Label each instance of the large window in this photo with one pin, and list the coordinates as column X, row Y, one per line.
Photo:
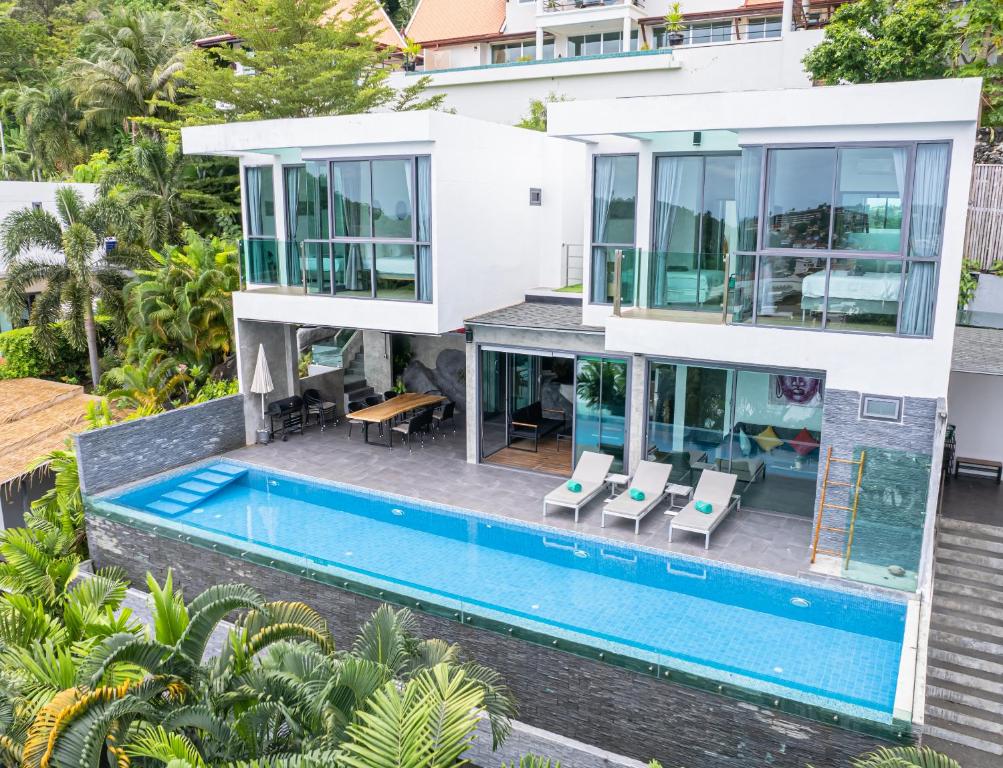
column 850, row 238
column 699, row 33
column 261, row 257
column 363, row 227
column 520, row 50
column 763, row 28
column 614, row 217
column 599, row 43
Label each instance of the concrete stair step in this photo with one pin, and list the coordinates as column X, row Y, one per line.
column 977, row 665
column 971, row 559
column 967, row 606
column 973, row 530
column 991, row 651
column 962, row 541
column 949, row 676
column 945, row 586
column 967, row 625
column 940, row 729
column 980, row 576
column 991, row 709
column 958, row 714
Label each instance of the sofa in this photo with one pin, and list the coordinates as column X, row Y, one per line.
column 796, row 451
column 532, row 423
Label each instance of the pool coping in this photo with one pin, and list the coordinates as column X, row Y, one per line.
column 899, row 729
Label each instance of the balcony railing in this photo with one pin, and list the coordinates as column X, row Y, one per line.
column 551, row 6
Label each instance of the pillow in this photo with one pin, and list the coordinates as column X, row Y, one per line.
column 574, row 486
column 704, row 506
column 767, row 440
column 804, row 443
column 744, row 443
column 637, row 494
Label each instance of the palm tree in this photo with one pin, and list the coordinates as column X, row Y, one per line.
column 72, row 284
column 131, row 67
column 149, row 386
column 50, row 121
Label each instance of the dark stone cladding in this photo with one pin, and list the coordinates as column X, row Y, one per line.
column 132, row 450
column 594, row 702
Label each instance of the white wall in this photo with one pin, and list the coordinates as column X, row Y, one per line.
column 975, row 407
column 17, row 195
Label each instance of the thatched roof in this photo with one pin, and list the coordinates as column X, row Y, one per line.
column 36, row 417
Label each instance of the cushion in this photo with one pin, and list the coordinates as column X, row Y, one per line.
column 637, row 494
column 744, row 443
column 804, row 443
column 704, row 506
column 574, row 486
column 767, row 440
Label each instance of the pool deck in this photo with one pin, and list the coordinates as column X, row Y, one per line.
column 440, row 473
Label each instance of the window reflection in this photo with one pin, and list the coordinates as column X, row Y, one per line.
column 791, row 291
column 864, row 294
column 869, row 199
column 799, row 197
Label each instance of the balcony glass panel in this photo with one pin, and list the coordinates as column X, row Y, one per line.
column 395, row 271
column 352, row 199
column 741, row 288
column 261, row 261
column 869, row 199
column 791, row 291
column 353, row 269
column 863, row 295
column 603, row 274
column 393, row 199
column 316, row 261
column 306, row 202
column 799, row 197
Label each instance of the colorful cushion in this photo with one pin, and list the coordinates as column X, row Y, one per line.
column 574, row 486
column 744, row 443
column 767, row 440
column 704, row 506
column 804, row 443
column 637, row 494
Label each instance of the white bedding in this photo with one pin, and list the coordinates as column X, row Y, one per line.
column 870, row 286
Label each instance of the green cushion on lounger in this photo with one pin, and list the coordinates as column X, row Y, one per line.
column 574, row 486
column 704, row 506
column 636, row 494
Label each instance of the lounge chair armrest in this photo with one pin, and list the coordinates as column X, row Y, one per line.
column 525, row 424
column 556, row 410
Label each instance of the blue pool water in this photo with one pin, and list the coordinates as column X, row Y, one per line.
column 783, row 636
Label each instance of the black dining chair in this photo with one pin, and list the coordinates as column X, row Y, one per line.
column 374, row 400
column 355, row 405
column 322, row 409
column 443, row 414
column 389, row 395
column 419, row 425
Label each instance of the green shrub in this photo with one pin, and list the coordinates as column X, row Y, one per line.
column 22, row 358
column 216, row 388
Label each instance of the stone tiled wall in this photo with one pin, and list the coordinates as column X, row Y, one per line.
column 136, row 449
column 587, row 700
column 896, row 470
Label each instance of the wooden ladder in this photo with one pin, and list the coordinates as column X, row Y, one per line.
column 823, row 506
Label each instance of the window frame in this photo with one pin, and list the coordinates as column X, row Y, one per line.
column 531, row 41
column 763, row 22
column 246, row 202
column 899, row 411
column 829, row 254
column 592, row 212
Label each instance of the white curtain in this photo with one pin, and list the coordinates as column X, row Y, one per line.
column 424, row 267
column 348, row 187
column 253, row 195
column 668, row 182
column 926, row 215
column 747, row 196
column 292, row 178
column 602, row 194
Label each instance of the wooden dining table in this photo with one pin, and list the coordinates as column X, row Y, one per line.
column 388, row 410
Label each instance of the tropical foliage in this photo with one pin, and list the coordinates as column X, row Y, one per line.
column 905, row 757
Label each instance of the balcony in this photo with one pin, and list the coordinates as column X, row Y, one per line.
column 557, row 6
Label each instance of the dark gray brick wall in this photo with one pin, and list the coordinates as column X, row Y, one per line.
column 123, row 453
column 593, row 702
column 895, row 486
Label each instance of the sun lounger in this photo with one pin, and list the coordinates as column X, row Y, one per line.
column 714, row 488
column 651, row 479
column 591, row 472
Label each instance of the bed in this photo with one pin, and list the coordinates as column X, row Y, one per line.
column 865, row 293
column 692, row 286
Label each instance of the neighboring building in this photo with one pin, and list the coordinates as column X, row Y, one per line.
column 36, row 418
column 491, row 57
column 788, row 267
column 18, row 195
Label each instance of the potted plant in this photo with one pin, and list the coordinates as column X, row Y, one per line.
column 674, row 25
column 411, row 51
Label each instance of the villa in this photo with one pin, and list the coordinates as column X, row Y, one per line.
column 759, row 285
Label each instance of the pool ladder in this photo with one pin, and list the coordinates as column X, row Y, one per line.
column 821, row 524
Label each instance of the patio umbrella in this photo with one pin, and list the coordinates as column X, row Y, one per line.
column 261, row 384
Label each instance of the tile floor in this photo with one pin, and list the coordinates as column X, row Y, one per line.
column 439, row 472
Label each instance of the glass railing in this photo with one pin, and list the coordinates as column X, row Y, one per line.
column 330, row 352
column 671, row 280
column 261, row 260
column 974, row 319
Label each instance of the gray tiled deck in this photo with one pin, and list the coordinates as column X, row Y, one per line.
column 439, row 473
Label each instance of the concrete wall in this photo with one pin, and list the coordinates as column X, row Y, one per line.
column 378, row 359
column 17, row 495
column 975, row 407
column 132, row 450
column 282, row 356
column 610, row 707
column 330, row 384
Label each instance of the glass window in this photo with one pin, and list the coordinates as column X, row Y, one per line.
column 306, row 202
column 598, row 43
column 869, row 199
column 863, row 295
column 393, row 203
column 395, row 271
column 352, row 199
column 799, row 197
column 759, row 29
column 521, row 50
column 317, row 265
column 791, row 291
column 747, row 182
column 259, row 191
column 601, row 408
column 353, row 269
column 709, row 32
column 614, row 214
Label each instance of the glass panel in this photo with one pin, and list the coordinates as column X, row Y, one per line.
column 548, row 49
column 524, row 384
column 741, row 287
column 775, row 434
column 927, row 210
column 585, row 45
column 395, row 271
column 600, row 408
column 317, row 265
column 614, row 199
column 352, row 203
column 493, row 414
column 864, row 295
column 799, row 197
column 612, row 42
column 749, row 175
column 259, row 193
column 393, row 199
column 759, row 29
column 306, row 202
column 603, row 275
column 711, row 32
column 869, row 199
column 353, row 269
column 920, row 299
column 261, row 259
column 791, row 291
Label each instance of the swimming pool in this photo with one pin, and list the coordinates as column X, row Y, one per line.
column 836, row 649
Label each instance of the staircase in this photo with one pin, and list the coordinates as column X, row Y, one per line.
column 964, row 694
column 189, row 492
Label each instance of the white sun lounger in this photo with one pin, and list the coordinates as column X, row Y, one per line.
column 591, row 472
column 716, row 488
column 650, row 478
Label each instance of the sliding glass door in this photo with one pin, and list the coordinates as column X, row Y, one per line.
column 494, row 406
column 601, row 407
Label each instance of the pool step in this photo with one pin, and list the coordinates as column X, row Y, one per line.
column 196, row 489
column 964, row 685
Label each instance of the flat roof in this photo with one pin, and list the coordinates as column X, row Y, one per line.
column 978, row 350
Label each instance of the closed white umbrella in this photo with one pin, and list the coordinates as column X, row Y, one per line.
column 261, row 384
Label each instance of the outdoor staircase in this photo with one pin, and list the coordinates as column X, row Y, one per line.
column 356, row 387
column 964, row 694
column 195, row 490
